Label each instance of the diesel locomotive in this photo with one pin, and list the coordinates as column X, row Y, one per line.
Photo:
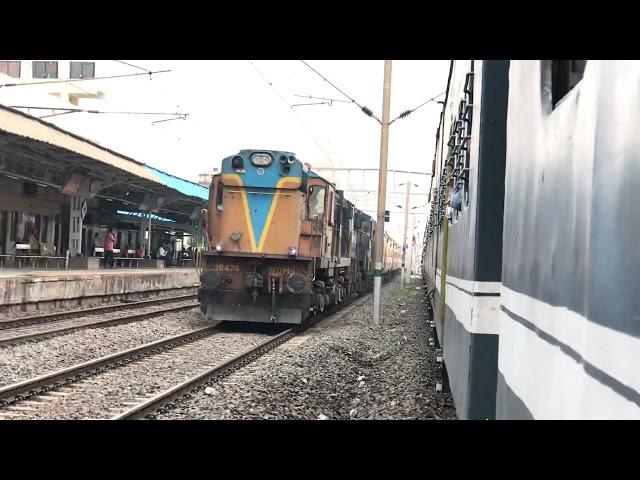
column 284, row 243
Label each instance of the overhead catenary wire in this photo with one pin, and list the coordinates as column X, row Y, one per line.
column 406, row 113
column 131, row 65
column 82, row 79
column 56, row 114
column 70, row 82
column 82, row 110
column 324, row 101
column 92, row 94
column 293, row 112
column 367, row 111
column 321, row 98
column 180, row 117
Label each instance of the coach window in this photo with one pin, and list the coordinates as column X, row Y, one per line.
column 316, row 201
column 560, row 77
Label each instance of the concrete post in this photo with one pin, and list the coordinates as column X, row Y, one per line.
column 382, row 192
column 75, row 224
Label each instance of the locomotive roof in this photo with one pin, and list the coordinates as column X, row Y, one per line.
column 313, row 174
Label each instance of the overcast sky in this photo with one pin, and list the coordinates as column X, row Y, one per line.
column 232, row 107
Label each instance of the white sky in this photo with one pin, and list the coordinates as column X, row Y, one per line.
column 232, row 107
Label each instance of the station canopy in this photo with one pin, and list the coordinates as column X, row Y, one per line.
column 33, row 150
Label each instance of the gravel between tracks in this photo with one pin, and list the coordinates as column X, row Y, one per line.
column 344, row 368
column 104, row 395
column 27, row 360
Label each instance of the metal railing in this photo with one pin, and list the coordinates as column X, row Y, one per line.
column 31, row 261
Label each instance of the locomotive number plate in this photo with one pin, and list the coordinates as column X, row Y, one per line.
column 281, row 270
column 225, row 267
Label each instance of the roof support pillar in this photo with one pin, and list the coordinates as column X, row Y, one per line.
column 76, row 215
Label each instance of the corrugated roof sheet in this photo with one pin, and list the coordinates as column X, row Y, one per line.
column 19, row 123
column 183, row 186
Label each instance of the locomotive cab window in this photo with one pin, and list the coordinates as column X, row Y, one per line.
column 330, row 208
column 237, row 163
column 316, row 201
column 219, row 196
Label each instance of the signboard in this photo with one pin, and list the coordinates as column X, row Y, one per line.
column 83, row 209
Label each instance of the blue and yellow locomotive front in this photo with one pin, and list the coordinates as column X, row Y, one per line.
column 252, row 270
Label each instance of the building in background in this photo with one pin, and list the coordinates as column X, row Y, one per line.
column 40, row 73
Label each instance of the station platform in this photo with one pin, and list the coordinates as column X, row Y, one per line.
column 40, row 291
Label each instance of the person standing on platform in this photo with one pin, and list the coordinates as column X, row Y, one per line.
column 109, row 242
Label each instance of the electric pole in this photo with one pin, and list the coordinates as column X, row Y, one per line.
column 413, row 253
column 382, row 191
column 405, row 245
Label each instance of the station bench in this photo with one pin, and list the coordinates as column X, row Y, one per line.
column 32, row 261
column 131, row 262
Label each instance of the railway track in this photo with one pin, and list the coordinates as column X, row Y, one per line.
column 49, row 317
column 61, row 325
column 184, row 390
column 66, row 306
column 101, row 384
column 167, row 399
column 127, row 384
column 17, row 392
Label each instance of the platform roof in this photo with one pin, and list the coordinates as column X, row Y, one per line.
column 183, row 186
column 34, row 150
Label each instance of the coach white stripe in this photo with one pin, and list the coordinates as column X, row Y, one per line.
column 472, row 285
column 573, row 393
column 477, row 314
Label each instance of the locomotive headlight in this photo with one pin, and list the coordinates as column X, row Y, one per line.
column 296, row 283
column 293, row 251
column 219, row 248
column 291, row 160
column 261, row 159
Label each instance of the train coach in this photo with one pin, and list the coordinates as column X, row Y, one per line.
column 529, row 251
column 463, row 240
column 570, row 311
column 284, row 242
